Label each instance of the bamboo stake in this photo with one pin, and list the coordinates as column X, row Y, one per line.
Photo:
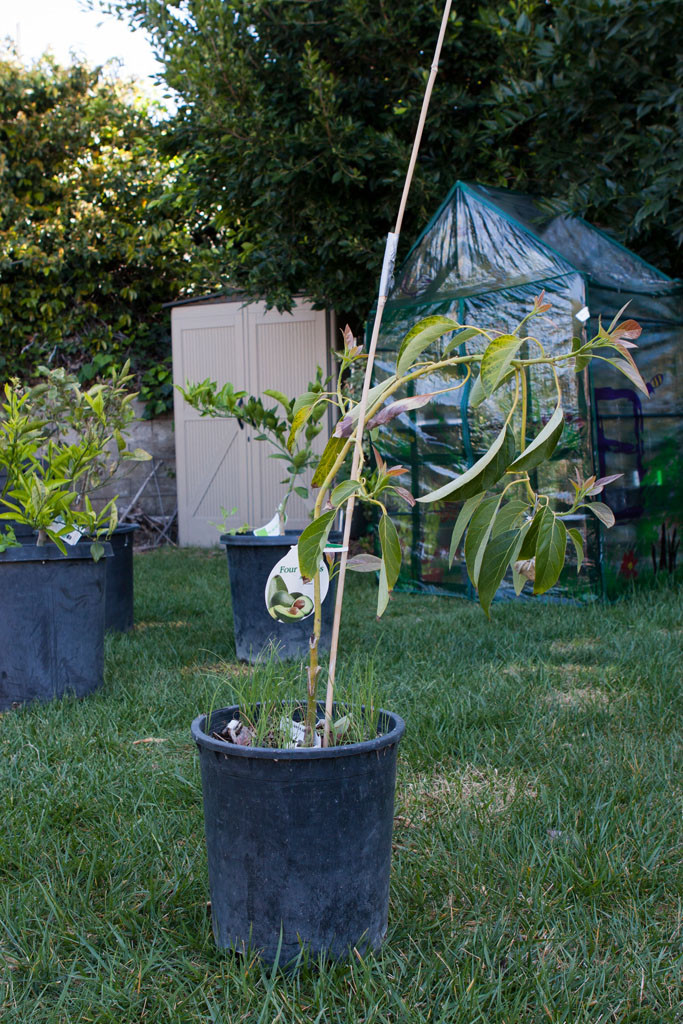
column 384, row 288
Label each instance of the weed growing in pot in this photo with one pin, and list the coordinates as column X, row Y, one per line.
column 267, row 709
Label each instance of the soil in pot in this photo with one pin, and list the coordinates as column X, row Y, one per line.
column 52, row 623
column 298, row 841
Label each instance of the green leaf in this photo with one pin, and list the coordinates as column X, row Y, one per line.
column 482, row 475
column 304, row 401
column 603, row 512
column 391, row 561
column 477, row 393
column 630, row 370
column 420, row 337
column 302, row 492
column 496, row 360
column 500, row 551
column 460, row 339
column 331, row 453
column 518, row 581
column 461, row 522
column 550, row 551
column 581, row 362
column 279, row 397
column 478, row 534
column 96, row 550
column 343, row 491
column 297, row 423
column 577, row 541
column 508, row 515
column 312, row 541
column 364, row 562
column 528, row 549
column 542, row 446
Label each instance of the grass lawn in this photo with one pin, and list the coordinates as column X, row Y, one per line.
column 537, row 872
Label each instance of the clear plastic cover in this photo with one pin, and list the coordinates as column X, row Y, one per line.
column 482, row 260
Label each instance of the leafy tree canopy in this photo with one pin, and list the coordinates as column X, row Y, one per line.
column 299, row 116
column 94, row 236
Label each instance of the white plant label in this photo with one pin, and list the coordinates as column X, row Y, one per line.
column 583, row 314
column 70, row 538
column 288, row 596
column 271, row 529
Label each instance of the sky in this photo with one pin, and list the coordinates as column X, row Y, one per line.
column 65, row 25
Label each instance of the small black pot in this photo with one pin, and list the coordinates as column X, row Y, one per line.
column 51, row 623
column 119, row 600
column 299, row 841
column 250, row 560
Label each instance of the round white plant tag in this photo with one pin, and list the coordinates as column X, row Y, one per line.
column 289, row 598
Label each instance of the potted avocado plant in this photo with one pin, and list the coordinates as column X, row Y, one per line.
column 299, row 831
column 281, row 623
column 101, row 416
column 53, row 582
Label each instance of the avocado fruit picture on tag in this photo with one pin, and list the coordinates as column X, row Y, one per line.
column 289, row 598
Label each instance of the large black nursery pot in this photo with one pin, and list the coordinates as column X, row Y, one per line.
column 298, row 841
column 250, row 560
column 120, row 592
column 51, row 623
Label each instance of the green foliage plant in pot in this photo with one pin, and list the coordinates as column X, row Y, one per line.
column 53, row 590
column 288, row 428
column 299, row 839
column 101, row 415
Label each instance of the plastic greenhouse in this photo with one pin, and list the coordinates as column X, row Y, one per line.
column 482, row 259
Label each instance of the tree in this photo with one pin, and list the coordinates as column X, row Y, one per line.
column 299, row 116
column 94, row 235
column 599, row 111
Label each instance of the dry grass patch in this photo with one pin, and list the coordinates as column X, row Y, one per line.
column 580, row 696
column 578, row 647
column 223, row 669
column 486, row 789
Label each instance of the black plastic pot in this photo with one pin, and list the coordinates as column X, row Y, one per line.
column 299, row 841
column 119, row 600
column 23, row 533
column 51, row 623
column 250, row 560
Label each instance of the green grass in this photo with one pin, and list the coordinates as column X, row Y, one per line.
column 537, row 872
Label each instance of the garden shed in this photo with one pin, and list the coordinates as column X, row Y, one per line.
column 482, row 259
column 228, row 338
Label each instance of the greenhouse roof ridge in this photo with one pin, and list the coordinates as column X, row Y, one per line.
column 484, row 238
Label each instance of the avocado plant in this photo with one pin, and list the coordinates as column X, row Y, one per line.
column 283, row 432
column 508, row 525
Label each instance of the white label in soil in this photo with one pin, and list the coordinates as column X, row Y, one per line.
column 70, row 538
column 289, row 598
column 271, row 529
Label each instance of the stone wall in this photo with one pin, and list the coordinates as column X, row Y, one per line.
column 159, row 497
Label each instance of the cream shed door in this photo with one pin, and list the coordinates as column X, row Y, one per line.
column 211, row 455
column 217, row 463
column 284, row 351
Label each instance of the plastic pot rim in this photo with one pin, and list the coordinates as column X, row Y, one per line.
column 385, row 739
column 51, row 553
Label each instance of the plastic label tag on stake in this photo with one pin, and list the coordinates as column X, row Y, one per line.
column 583, row 314
column 288, row 596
